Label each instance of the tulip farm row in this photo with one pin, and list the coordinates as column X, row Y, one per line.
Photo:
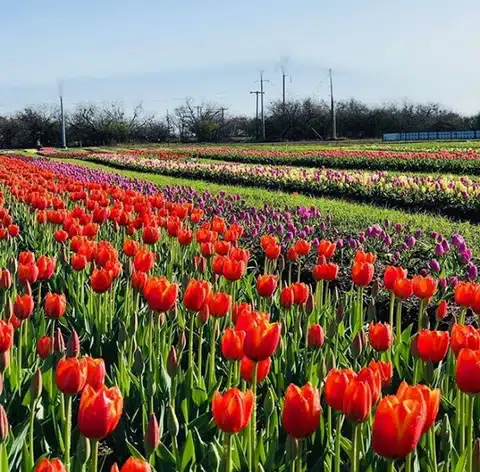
column 160, row 329
column 439, row 161
column 456, row 197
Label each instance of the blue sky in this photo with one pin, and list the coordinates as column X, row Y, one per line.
column 160, row 52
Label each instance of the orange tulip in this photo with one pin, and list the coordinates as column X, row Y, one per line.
column 430, row 397
column 467, row 373
column 239, row 308
column 391, row 274
column 47, row 465
column 101, row 280
column 100, row 411
column 262, row 340
column 357, row 401
column 46, row 267
column 138, row 281
column 27, row 273
column 95, row 372
column 222, row 247
column 301, row 411
column 130, row 247
column 380, row 336
column 6, row 336
column 55, row 305
column 246, row 369
column 441, row 310
column 336, row 383
column 239, row 254
column 292, row 255
column 219, row 304
column 315, row 336
column 398, row 426
column 424, row 287
column 144, row 260
column 326, row 248
column 302, row 247
column 432, row 345
column 325, row 271
column 365, row 257
column 184, row 236
column 385, row 369
column 266, row 285
column 232, row 344
column 362, row 273
column 161, row 295
column 403, row 288
column 196, row 294
column 71, row 375
column 136, row 465
column 217, row 264
column 267, row 240
column 374, row 380
column 464, row 294
column 301, row 292
column 273, row 251
column 464, row 337
column 23, row 306
column 287, row 297
column 233, row 269
column 232, row 410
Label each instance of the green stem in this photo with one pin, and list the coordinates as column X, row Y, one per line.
column 253, row 421
column 200, row 351
column 408, row 463
column 190, row 350
column 420, row 314
column 32, row 421
column 228, row 452
column 391, row 309
column 470, row 408
column 211, row 372
column 338, row 436
column 299, row 456
column 94, row 456
column 462, row 420
column 399, row 322
column 433, row 448
column 390, row 466
column 354, row 449
column 68, row 432
column 230, row 372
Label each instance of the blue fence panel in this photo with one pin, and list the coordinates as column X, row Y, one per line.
column 431, row 135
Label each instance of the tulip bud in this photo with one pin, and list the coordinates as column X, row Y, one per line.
column 152, row 435
column 322, row 370
column 310, row 304
column 269, row 403
column 3, row 425
column 172, row 422
column 1, row 384
column 130, row 268
column 358, row 344
column 476, row 456
column 339, row 313
column 5, row 279
column 59, row 342
column 441, row 311
column 83, row 449
column 172, row 363
column 182, row 340
column 8, row 308
column 12, row 265
column 332, row 329
column 200, row 264
column 73, row 345
column 203, row 315
column 27, row 288
column 162, row 318
column 4, row 361
column 36, row 385
column 138, row 364
column 331, row 364
column 213, row 458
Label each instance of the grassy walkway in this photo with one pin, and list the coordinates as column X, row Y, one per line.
column 345, row 214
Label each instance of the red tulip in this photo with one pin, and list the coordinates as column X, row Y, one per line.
column 150, row 235
column 467, row 373
column 233, row 269
column 71, row 375
column 301, row 292
column 424, row 287
column 13, row 231
column 326, row 248
column 46, row 267
column 44, row 346
column 6, row 336
column 55, row 305
column 219, row 304
column 144, row 260
column 27, row 273
column 380, row 336
column 232, row 410
column 266, row 285
column 357, row 401
column 232, row 344
column 325, row 271
column 78, row 262
column 136, row 465
column 138, row 281
column 5, row 279
column 287, row 297
column 292, row 255
column 130, row 247
column 403, row 288
column 47, row 465
column 196, row 294
column 302, row 247
column 362, row 273
column 465, row 294
column 315, row 337
column 273, row 251
column 301, row 411
column 374, row 380
column 391, row 275
column 385, row 369
column 365, row 257
column 336, row 384
column 464, row 337
column 23, row 306
column 160, row 294
column 101, row 280
column 441, row 311
column 262, row 340
column 432, row 345
column 95, row 372
column 246, row 369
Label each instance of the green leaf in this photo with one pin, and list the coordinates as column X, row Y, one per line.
column 199, row 396
column 188, row 453
column 462, row 461
column 3, row 458
column 134, row 451
column 165, row 455
column 27, row 459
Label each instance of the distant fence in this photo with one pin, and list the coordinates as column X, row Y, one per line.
column 431, row 135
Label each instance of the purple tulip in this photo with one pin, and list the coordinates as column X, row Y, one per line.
column 439, row 251
column 398, row 228
column 472, row 272
column 443, row 282
column 434, row 265
column 340, row 244
column 453, row 281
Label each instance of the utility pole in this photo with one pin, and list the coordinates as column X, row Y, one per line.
column 257, row 93
column 284, row 76
column 199, row 110
column 332, row 108
column 222, row 111
column 262, row 93
column 168, row 125
column 62, row 118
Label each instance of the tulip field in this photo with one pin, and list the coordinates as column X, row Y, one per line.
column 154, row 328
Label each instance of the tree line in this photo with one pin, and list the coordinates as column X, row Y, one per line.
column 303, row 119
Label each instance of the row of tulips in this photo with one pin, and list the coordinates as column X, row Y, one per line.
column 448, row 196
column 234, row 363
